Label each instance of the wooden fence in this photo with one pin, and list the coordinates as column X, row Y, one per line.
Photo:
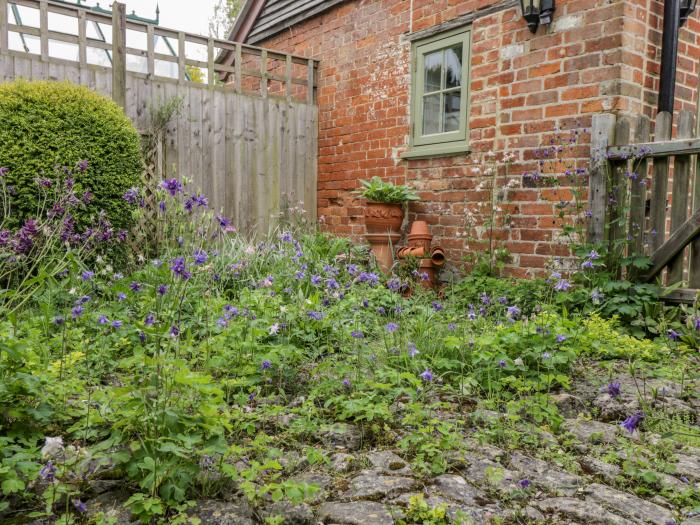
column 629, row 196
column 249, row 143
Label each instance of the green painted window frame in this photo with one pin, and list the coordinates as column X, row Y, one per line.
column 445, row 143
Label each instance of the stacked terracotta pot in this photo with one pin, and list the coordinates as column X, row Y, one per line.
column 420, row 246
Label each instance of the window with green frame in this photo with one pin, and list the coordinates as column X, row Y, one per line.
column 440, row 94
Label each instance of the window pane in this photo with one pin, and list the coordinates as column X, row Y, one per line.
column 433, row 71
column 451, row 117
column 431, row 114
column 453, row 66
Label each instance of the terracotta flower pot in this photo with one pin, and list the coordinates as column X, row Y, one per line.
column 419, row 227
column 382, row 246
column 426, row 267
column 409, row 251
column 420, row 240
column 381, row 217
column 437, row 255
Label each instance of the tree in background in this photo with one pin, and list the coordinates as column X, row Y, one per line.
column 225, row 13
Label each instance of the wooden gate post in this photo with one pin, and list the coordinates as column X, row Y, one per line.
column 602, row 136
column 3, row 26
column 119, row 53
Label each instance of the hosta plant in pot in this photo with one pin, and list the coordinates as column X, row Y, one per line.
column 384, row 209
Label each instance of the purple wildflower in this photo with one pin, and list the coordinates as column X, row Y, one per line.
column 357, row 334
column 121, row 296
column 172, row 186
column 513, row 312
column 131, row 195
column 524, row 483
column 392, row 327
column 562, row 285
column 87, row 275
column 103, row 319
column 178, row 267
column 59, row 320
column 316, row 280
column 150, row 319
column 135, row 286
column 286, row 237
column 673, row 335
column 317, row 316
column 48, row 472
column 162, row 289
column 614, row 389
column 561, row 338
column 426, row 375
column 436, row 306
column 79, row 506
column 266, row 365
column 200, row 257
column 502, row 363
column 117, row 324
column 76, row 312
column 174, row 330
column 632, row 423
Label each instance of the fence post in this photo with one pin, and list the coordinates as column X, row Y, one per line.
column 44, row 29
column 679, row 198
column 119, row 53
column 602, row 136
column 659, row 185
column 3, row 26
column 638, row 192
column 618, row 193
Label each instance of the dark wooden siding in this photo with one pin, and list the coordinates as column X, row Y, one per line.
column 277, row 15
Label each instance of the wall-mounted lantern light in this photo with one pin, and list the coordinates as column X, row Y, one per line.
column 536, row 12
column 687, row 8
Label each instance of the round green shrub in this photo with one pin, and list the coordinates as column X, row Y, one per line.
column 49, row 125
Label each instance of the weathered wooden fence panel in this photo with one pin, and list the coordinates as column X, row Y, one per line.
column 249, row 152
column 650, row 226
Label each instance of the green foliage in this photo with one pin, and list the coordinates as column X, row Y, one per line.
column 420, row 513
column 49, row 124
column 376, row 190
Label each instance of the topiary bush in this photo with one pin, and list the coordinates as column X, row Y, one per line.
column 52, row 125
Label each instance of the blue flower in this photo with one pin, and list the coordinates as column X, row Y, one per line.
column 426, row 375
column 316, row 280
column 131, row 195
column 632, row 422
column 87, row 275
column 562, row 285
column 392, row 327
column 315, row 315
column 102, row 319
column 502, row 363
column 412, row 350
column 121, row 296
column 200, row 257
column 77, row 311
column 614, row 389
column 174, row 330
column 172, row 186
column 162, row 289
column 117, row 324
column 150, row 319
column 48, row 471
column 286, row 237
column 436, row 306
column 179, row 268
column 673, row 335
column 524, row 483
column 561, row 338
column 266, row 365
column 513, row 312
column 135, row 286
column 357, row 334
column 59, row 320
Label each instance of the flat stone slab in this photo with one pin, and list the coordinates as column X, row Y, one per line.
column 688, row 466
column 600, row 468
column 457, row 489
column 546, row 475
column 214, row 512
column 592, row 431
column 484, row 472
column 628, row 505
column 387, row 462
column 341, row 435
column 355, row 513
column 584, row 512
column 373, row 486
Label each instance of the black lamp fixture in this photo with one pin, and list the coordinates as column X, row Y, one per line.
column 687, row 8
column 536, row 12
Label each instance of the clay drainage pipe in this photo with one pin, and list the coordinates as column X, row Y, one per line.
column 437, row 255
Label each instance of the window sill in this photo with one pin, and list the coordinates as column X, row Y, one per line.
column 427, row 152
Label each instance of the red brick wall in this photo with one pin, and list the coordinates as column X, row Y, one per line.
column 598, row 55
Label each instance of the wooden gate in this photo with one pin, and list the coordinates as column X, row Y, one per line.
column 647, row 194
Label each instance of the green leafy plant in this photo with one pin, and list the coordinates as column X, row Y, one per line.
column 377, row 190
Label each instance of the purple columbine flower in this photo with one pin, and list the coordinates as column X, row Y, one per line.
column 632, row 423
column 562, row 285
column 332, row 284
column 560, row 338
column 587, row 265
column 135, row 286
column 162, row 206
column 266, row 365
column 172, row 186
column 594, row 255
column 696, row 323
column 162, row 289
column 79, row 506
column 87, row 275
column 316, row 280
column 614, row 389
column 426, row 375
column 317, row 316
column 451, row 327
column 513, row 312
column 121, row 296
column 392, row 327
column 503, row 300
column 76, row 312
column 502, row 363
column 48, row 471
column 200, row 257
column 174, row 330
column 117, row 324
column 346, row 383
column 524, row 483
column 368, row 277
column 357, row 334
column 412, row 350
column 131, row 195
column 102, row 319
column 485, row 298
column 673, row 335
column 59, row 320
column 436, row 306
column 179, row 268
column 149, row 320
column 352, row 269
column 286, row 237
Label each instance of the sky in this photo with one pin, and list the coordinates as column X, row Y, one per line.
column 185, row 15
